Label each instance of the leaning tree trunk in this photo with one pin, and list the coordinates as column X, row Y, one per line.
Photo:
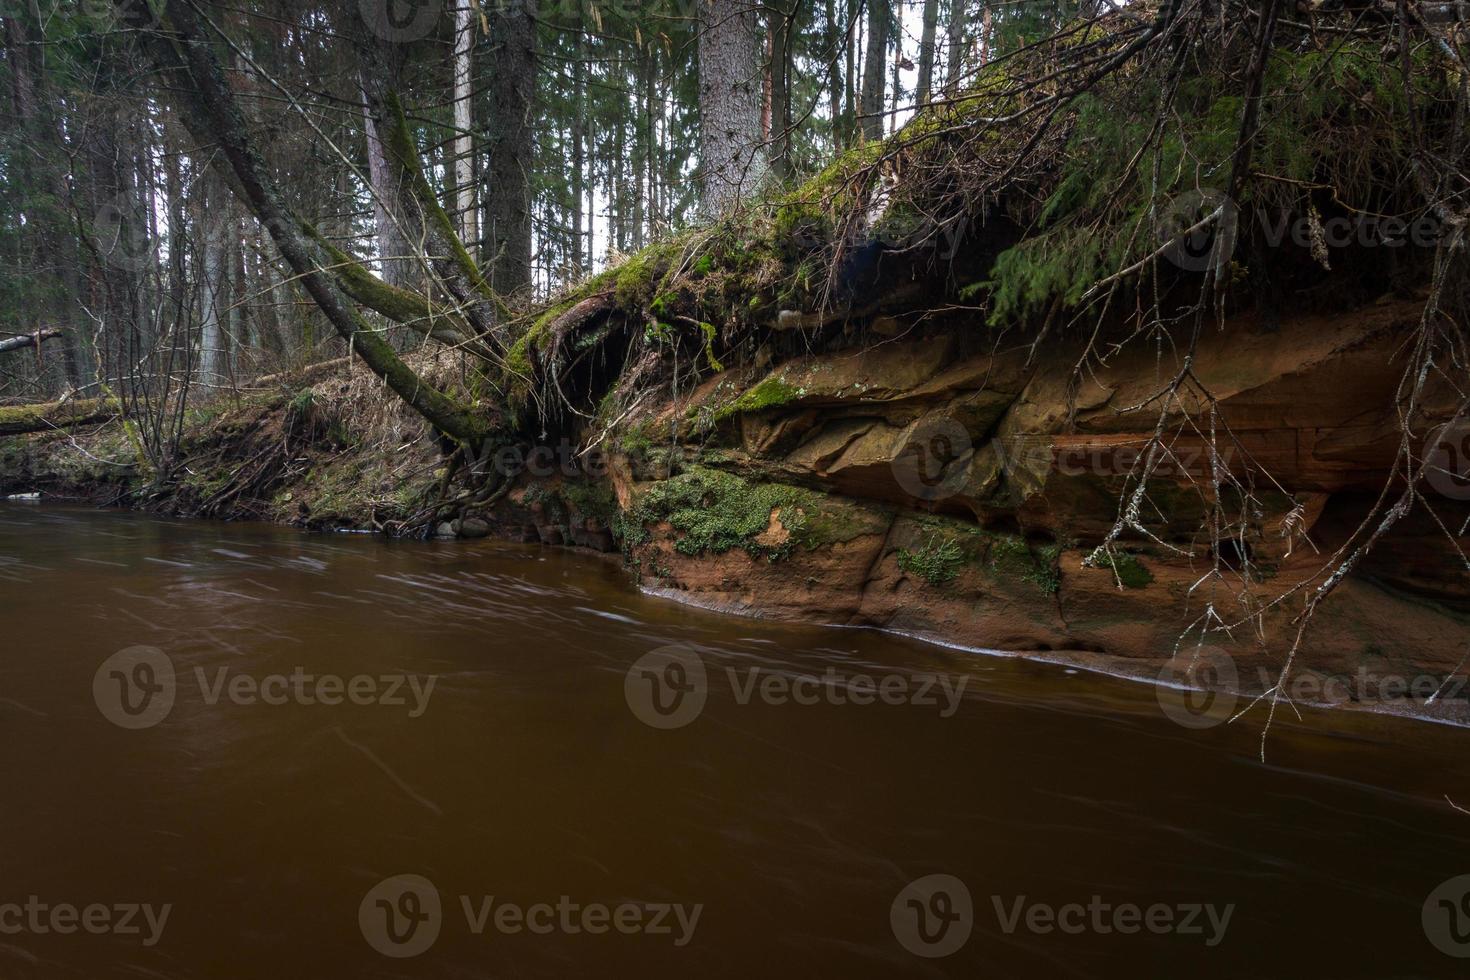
column 193, row 75
column 729, row 104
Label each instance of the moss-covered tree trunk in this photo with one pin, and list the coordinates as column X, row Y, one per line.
column 194, row 77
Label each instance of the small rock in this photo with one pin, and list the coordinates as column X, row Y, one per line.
column 473, row 527
column 445, row 530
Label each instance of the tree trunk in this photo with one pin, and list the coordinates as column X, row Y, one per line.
column 850, row 76
column 512, row 93
column 985, row 15
column 579, row 159
column 618, row 231
column 641, row 149
column 956, row 39
column 211, row 294
column 897, row 66
column 650, row 103
column 874, row 74
column 780, row 72
column 393, row 245
column 732, row 163
column 926, row 52
column 57, row 251
column 464, row 150
column 834, row 73
column 591, row 179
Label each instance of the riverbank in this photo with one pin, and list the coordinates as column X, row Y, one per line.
column 986, row 381
column 798, row 491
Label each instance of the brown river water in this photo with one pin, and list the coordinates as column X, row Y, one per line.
column 275, row 790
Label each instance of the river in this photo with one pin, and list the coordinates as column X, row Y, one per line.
column 242, row 751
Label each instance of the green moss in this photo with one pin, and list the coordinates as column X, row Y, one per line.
column 838, row 522
column 594, row 500
column 951, row 544
column 639, row 439
column 398, row 305
column 56, row 411
column 773, row 392
column 713, row 511
column 1011, row 555
column 1127, row 569
column 637, row 278
column 709, row 347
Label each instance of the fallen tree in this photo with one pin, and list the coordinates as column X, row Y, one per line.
column 28, row 340
column 18, row 420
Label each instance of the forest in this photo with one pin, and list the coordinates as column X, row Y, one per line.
column 667, row 488
column 555, row 139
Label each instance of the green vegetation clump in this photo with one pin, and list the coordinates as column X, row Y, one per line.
column 1129, row 571
column 594, row 500
column 1045, row 574
column 952, row 544
column 937, row 562
column 637, row 279
column 1010, row 554
column 773, row 392
column 714, row 511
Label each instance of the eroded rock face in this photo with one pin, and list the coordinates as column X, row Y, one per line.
column 986, row 479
